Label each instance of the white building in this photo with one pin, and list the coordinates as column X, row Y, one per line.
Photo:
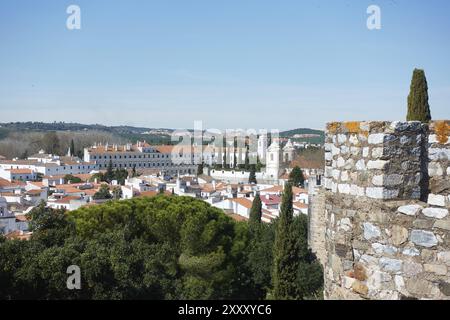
column 8, row 221
column 262, row 147
column 144, row 156
column 46, row 165
column 18, row 174
column 68, row 203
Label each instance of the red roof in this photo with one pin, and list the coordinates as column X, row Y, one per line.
column 270, row 199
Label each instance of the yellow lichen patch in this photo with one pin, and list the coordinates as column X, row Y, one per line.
column 442, row 129
column 332, row 127
column 353, row 126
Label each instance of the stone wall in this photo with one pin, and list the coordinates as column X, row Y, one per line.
column 316, row 221
column 439, row 164
column 381, row 240
column 379, row 160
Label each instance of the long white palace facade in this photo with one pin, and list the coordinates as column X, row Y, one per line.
column 184, row 160
column 143, row 156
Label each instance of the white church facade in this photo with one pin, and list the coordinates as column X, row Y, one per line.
column 277, row 160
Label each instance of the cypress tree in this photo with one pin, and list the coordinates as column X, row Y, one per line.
column 72, row 148
column 224, row 159
column 418, row 107
column 252, row 176
column 235, row 154
column 256, row 210
column 109, row 172
column 285, row 264
column 200, row 169
column 247, row 160
column 24, row 155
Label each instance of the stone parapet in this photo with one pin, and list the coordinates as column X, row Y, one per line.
column 386, row 218
column 376, row 159
column 386, row 249
column 439, row 163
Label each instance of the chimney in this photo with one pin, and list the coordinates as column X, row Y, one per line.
column 214, row 184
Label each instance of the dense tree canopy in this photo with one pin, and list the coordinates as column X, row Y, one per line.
column 296, row 177
column 163, row 247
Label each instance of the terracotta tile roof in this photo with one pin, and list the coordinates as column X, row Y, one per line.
column 276, row 189
column 22, row 218
column 90, row 192
column 34, row 192
column 19, row 235
column 300, row 205
column 20, row 171
column 7, row 194
column 279, row 189
column 164, row 149
column 69, row 190
column 67, row 199
column 208, row 187
column 20, row 162
column 243, row 202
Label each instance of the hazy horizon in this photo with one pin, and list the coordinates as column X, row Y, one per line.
column 234, row 64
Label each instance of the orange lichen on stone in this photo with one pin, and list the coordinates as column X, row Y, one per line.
column 333, row 127
column 353, row 126
column 442, row 129
column 360, row 272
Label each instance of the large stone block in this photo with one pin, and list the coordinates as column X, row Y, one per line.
column 377, row 164
column 437, row 213
column 371, row 231
column 436, row 200
column 423, row 238
column 376, row 138
column 410, row 210
column 391, row 265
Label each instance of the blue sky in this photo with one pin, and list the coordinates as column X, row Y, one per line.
column 232, row 64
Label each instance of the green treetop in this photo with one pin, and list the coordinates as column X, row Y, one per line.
column 285, row 265
column 418, row 107
column 296, row 177
column 256, row 210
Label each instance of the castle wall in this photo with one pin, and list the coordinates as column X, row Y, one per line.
column 439, row 163
column 316, row 222
column 381, row 240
